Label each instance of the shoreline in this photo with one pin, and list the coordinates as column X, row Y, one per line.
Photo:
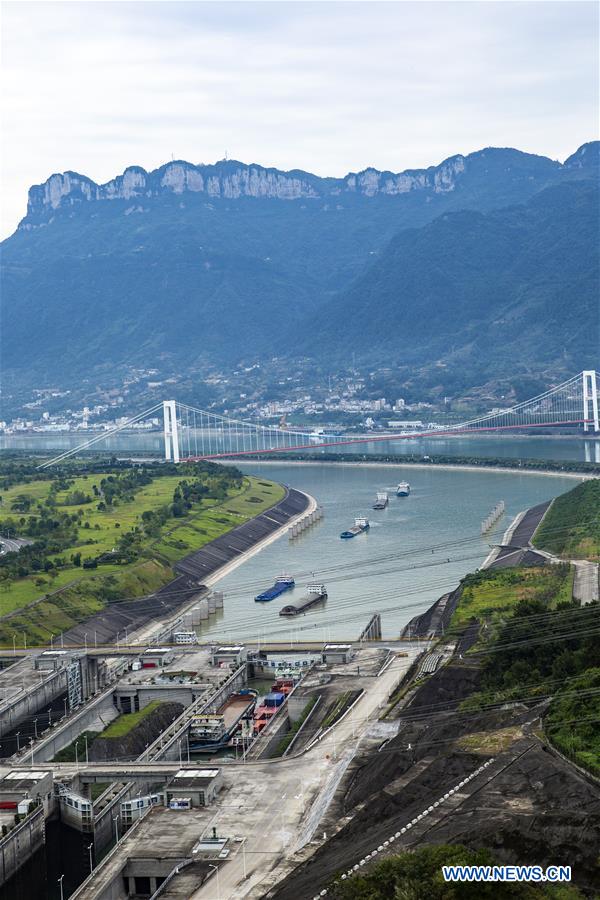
column 233, row 564
column 582, row 476
column 269, row 539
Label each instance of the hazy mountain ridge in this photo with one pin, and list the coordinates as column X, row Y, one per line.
column 153, row 266
column 478, row 289
column 230, row 179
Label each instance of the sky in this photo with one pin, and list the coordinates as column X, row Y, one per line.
column 328, row 87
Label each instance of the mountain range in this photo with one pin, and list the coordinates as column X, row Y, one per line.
column 470, row 266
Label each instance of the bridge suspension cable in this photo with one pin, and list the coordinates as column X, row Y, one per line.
column 101, row 437
column 193, row 434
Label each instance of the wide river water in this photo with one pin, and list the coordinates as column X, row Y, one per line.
column 417, row 548
column 517, row 446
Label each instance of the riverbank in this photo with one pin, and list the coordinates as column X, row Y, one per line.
column 238, row 561
column 582, row 475
column 198, row 572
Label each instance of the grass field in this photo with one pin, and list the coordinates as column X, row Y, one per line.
column 36, row 606
column 118, row 728
column 128, row 721
column 572, row 720
column 571, row 527
column 492, row 594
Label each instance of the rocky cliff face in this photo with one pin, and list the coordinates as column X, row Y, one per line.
column 232, row 180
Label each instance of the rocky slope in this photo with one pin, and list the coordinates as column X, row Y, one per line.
column 231, row 180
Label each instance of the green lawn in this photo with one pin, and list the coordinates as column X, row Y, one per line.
column 571, row 527
column 492, row 594
column 63, row 609
column 51, row 603
column 128, row 721
column 572, row 722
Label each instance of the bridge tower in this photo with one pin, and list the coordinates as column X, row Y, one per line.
column 170, row 430
column 590, row 400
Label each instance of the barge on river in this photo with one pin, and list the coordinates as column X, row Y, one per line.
column 361, row 523
column 316, row 594
column 282, row 584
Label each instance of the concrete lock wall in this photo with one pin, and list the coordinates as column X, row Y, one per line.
column 177, row 693
column 21, row 843
column 32, row 701
column 66, row 733
column 104, row 825
column 295, row 705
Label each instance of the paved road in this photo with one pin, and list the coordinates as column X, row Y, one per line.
column 12, row 545
column 516, row 549
column 284, row 801
column 585, row 585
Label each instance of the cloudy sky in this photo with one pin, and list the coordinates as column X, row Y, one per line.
column 329, row 87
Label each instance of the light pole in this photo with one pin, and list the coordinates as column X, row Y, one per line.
column 25, row 640
column 76, row 754
column 85, row 642
column 35, row 728
column 14, row 644
column 60, row 881
column 18, row 744
column 65, row 702
column 216, row 868
column 244, row 857
column 116, row 821
column 91, row 859
column 87, row 758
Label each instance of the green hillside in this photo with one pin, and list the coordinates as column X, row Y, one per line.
column 474, row 290
column 571, row 527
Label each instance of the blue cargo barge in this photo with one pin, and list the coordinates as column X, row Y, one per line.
column 361, row 523
column 282, row 584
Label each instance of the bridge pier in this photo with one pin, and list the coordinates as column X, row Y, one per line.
column 170, row 430
column 590, row 400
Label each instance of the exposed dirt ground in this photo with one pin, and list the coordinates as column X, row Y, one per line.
column 529, row 806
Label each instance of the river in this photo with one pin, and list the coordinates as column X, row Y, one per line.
column 517, row 446
column 416, row 549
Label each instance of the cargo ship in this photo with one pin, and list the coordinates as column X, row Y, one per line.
column 282, row 584
column 267, row 709
column 361, row 523
column 316, row 594
column 381, row 501
column 403, row 489
column 211, row 732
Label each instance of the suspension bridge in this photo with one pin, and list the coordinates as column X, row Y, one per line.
column 192, row 434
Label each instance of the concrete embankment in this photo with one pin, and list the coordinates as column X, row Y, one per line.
column 515, row 550
column 195, row 573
